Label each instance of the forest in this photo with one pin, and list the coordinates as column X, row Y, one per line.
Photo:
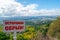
column 35, row 30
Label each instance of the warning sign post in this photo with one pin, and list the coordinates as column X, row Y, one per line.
column 14, row 26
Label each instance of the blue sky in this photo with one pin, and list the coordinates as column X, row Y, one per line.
column 45, row 4
column 12, row 8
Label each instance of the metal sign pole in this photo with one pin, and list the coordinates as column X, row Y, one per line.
column 15, row 36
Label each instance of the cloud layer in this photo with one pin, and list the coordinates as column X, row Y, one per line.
column 11, row 8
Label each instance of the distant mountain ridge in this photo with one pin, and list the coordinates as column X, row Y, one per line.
column 27, row 18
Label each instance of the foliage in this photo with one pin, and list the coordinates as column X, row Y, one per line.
column 54, row 29
column 1, row 28
column 3, row 36
column 33, row 31
column 27, row 35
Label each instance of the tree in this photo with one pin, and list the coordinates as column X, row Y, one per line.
column 3, row 36
column 54, row 29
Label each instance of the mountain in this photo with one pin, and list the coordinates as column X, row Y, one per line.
column 27, row 18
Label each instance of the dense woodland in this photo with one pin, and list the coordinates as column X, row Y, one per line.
column 36, row 30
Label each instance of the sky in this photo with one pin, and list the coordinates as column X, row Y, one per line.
column 13, row 8
column 42, row 3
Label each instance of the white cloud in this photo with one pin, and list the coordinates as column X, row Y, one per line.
column 10, row 8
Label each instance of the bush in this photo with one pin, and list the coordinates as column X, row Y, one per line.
column 54, row 29
column 3, row 36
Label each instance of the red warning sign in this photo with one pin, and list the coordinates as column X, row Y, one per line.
column 11, row 26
